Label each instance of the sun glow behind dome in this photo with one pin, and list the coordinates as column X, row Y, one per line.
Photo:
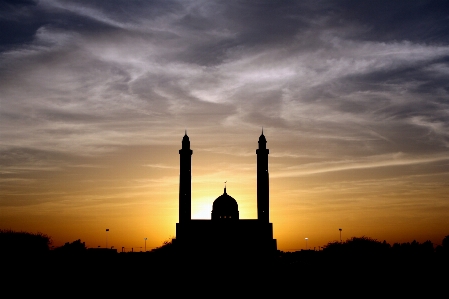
column 355, row 107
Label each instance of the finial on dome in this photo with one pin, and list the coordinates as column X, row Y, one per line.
column 225, row 187
column 262, row 130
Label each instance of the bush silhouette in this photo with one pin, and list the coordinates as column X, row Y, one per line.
column 75, row 247
column 166, row 247
column 413, row 249
column 445, row 243
column 357, row 247
column 13, row 242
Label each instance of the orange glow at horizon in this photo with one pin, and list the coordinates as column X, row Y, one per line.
column 355, row 111
column 139, row 199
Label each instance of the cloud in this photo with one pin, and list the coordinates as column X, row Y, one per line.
column 83, row 78
column 390, row 160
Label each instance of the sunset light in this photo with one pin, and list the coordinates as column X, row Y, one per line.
column 353, row 99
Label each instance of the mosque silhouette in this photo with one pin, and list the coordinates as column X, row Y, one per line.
column 225, row 232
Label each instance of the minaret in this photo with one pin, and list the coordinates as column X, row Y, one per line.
column 263, row 198
column 185, row 180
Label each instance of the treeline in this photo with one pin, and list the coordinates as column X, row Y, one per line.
column 368, row 251
column 25, row 242
column 359, row 262
column 364, row 244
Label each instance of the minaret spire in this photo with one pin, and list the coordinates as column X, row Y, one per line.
column 263, row 197
column 185, row 180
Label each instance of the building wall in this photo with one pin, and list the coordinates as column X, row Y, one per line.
column 245, row 235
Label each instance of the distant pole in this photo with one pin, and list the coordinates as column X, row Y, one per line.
column 107, row 237
column 145, row 244
column 306, row 242
column 340, row 233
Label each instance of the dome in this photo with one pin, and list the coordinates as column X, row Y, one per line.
column 225, row 207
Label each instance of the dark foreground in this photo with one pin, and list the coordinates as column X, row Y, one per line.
column 170, row 274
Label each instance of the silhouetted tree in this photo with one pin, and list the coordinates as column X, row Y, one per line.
column 357, row 245
column 445, row 243
column 166, row 247
column 357, row 250
column 13, row 242
column 414, row 249
column 444, row 247
column 75, row 247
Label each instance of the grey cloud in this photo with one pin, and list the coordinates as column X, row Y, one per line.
column 352, row 95
column 417, row 21
column 293, row 66
column 18, row 23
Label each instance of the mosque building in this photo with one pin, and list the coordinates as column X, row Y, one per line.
column 225, row 231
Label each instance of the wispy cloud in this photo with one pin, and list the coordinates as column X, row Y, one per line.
column 390, row 160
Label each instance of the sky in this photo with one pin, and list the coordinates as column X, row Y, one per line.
column 353, row 98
